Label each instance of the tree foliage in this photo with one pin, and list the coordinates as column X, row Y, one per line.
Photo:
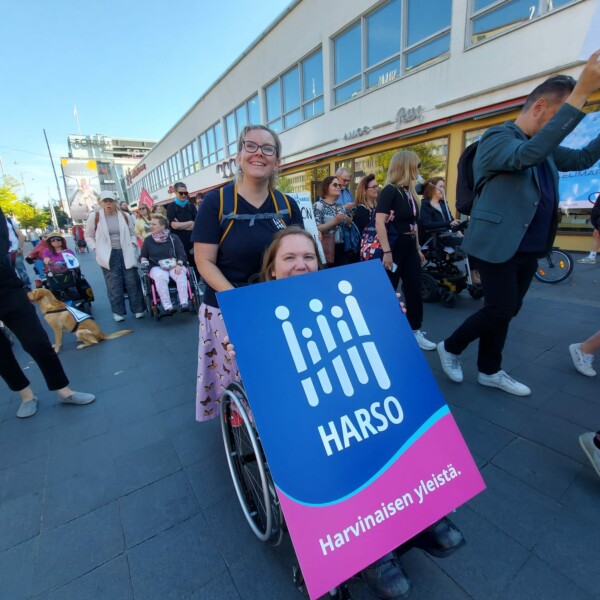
column 25, row 211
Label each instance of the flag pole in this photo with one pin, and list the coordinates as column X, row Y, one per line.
column 65, row 204
column 76, row 115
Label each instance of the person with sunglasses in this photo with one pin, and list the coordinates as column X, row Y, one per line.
column 54, row 261
column 365, row 202
column 232, row 230
column 181, row 214
column 330, row 218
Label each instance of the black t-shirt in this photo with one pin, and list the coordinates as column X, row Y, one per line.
column 406, row 212
column 362, row 216
column 182, row 214
column 240, row 255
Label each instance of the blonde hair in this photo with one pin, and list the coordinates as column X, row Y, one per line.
column 161, row 219
column 404, row 170
column 268, row 261
column 277, row 143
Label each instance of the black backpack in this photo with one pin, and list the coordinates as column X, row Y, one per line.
column 465, row 185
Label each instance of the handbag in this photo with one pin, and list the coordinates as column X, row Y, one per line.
column 166, row 264
column 370, row 246
column 328, row 244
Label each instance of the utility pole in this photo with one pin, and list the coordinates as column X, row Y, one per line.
column 65, row 204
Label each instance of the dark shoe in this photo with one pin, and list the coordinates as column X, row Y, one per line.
column 386, row 579
column 440, row 539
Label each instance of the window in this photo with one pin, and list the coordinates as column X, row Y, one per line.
column 211, row 145
column 493, row 17
column 246, row 114
column 175, row 169
column 303, row 181
column 189, row 157
column 397, row 37
column 297, row 95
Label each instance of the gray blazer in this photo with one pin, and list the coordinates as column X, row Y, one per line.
column 506, row 160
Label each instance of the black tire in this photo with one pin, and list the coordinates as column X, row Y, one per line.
column 429, row 288
column 555, row 267
column 248, row 467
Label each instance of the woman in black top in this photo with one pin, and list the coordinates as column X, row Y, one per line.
column 397, row 212
column 181, row 215
column 435, row 213
column 365, row 201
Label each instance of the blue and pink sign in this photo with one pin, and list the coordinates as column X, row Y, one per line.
column 362, row 447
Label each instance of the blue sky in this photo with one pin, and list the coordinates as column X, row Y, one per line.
column 132, row 68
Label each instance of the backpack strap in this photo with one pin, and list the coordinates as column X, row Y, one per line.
column 97, row 218
column 229, row 216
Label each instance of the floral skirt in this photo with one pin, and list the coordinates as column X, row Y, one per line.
column 216, row 369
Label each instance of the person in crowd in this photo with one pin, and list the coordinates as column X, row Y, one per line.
column 365, row 201
column 160, row 210
column 52, row 255
column 515, row 216
column 19, row 315
column 165, row 254
column 142, row 224
column 17, row 240
column 124, row 207
column 293, row 252
column 109, row 232
column 396, row 218
column 344, row 176
column 33, row 236
column 590, row 259
column 330, row 217
column 35, row 256
column 182, row 214
column 435, row 213
column 229, row 254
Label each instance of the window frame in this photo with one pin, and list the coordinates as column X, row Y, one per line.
column 400, row 56
column 233, row 113
column 473, row 15
column 303, row 103
column 212, row 157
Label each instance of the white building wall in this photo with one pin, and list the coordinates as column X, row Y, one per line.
column 496, row 70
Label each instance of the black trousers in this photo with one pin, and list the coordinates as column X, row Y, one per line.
column 504, row 287
column 406, row 256
column 19, row 315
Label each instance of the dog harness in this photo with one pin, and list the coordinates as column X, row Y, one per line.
column 78, row 315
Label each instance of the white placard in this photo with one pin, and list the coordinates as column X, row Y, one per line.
column 305, row 205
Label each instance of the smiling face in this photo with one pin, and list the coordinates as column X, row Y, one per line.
column 334, row 189
column 295, row 256
column 256, row 164
column 372, row 191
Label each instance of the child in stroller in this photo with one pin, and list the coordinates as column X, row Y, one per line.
column 63, row 275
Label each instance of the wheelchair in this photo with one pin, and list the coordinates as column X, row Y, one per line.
column 69, row 286
column 252, row 479
column 152, row 299
column 447, row 271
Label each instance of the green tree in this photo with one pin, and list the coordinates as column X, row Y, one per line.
column 24, row 211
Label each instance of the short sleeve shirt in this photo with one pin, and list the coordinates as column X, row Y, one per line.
column 240, row 255
column 404, row 207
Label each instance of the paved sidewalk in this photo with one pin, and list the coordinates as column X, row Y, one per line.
column 129, row 497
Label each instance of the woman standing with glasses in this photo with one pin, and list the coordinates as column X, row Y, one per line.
column 181, row 215
column 233, row 228
column 397, row 213
column 330, row 218
column 365, row 201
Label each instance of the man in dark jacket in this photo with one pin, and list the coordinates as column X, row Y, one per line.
column 515, row 217
column 182, row 215
column 19, row 315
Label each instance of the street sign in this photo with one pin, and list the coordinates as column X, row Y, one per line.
column 362, row 447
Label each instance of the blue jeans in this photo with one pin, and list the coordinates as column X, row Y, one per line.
column 118, row 280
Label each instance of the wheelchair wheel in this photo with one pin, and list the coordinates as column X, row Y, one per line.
column 249, row 471
column 554, row 267
column 429, row 288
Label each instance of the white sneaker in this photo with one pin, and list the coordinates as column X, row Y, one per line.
column 118, row 318
column 586, row 440
column 139, row 315
column 588, row 260
column 423, row 342
column 503, row 381
column 582, row 361
column 450, row 363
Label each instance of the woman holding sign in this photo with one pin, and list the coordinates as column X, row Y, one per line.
column 294, row 252
column 232, row 229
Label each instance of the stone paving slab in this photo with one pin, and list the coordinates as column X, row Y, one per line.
column 130, row 498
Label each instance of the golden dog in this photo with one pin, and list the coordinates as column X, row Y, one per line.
column 60, row 319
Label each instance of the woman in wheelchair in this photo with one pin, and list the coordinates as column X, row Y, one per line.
column 293, row 252
column 165, row 255
column 52, row 255
column 435, row 213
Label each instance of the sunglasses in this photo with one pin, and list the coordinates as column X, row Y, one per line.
column 183, row 193
column 336, row 185
column 55, row 240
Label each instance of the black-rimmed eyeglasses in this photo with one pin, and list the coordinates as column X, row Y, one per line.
column 266, row 149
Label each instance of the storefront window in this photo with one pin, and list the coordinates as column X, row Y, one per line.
column 297, row 95
column 473, row 136
column 490, row 18
column 306, row 181
column 373, row 50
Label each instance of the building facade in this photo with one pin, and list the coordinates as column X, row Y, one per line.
column 347, row 84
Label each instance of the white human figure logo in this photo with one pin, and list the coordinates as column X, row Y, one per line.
column 338, row 356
